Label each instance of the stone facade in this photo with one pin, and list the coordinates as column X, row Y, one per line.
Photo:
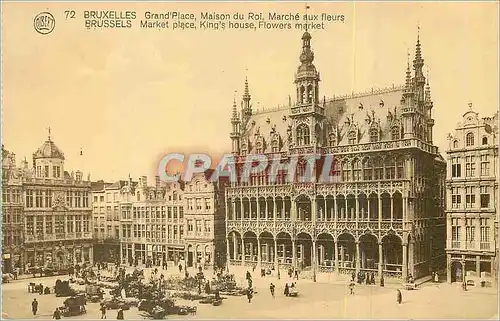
column 472, row 198
column 383, row 209
column 52, row 215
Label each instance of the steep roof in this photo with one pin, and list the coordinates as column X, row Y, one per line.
column 374, row 109
column 48, row 150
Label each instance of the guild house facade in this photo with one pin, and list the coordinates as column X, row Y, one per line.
column 12, row 212
column 47, row 212
column 383, row 212
column 472, row 198
column 151, row 223
column 106, row 220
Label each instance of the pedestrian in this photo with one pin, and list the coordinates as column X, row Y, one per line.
column 250, row 294
column 296, row 274
column 271, row 288
column 180, row 268
column 382, row 280
column 351, row 287
column 436, row 277
column 119, row 315
column 34, row 306
column 353, row 276
column 400, row 297
column 57, row 314
column 286, row 292
column 103, row 311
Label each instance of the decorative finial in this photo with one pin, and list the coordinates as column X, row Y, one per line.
column 470, row 106
column 81, row 151
column 418, row 31
column 49, row 132
column 307, row 7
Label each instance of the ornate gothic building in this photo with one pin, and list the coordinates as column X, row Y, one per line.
column 383, row 212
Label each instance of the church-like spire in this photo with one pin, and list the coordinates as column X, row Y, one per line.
column 234, row 116
column 418, row 62
column 428, row 89
column 408, row 74
column 247, row 108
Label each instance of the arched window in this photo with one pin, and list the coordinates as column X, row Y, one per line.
column 351, row 137
column 395, row 131
column 390, row 168
column 485, row 141
column 374, row 135
column 356, row 170
column 303, row 135
column 275, row 146
column 455, row 143
column 309, row 94
column 368, row 170
column 346, row 171
column 332, row 139
column 302, row 94
column 258, row 148
column 469, row 139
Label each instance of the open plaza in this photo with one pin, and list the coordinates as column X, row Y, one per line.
column 329, row 297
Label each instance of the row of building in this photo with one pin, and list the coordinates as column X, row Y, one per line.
column 395, row 207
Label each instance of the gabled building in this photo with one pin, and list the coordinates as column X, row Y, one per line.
column 472, row 199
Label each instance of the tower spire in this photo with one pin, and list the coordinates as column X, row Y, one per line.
column 408, row 72
column 49, row 132
column 418, row 62
column 247, row 109
column 427, row 88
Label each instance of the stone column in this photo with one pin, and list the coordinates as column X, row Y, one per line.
column 242, row 251
column 294, row 254
column 342, row 255
column 404, row 269
column 336, row 256
column 356, row 210
column 259, row 252
column 275, row 254
column 235, row 248
column 250, row 208
column 346, row 212
column 242, row 209
column 228, row 250
column 267, row 210
column 121, row 254
column 335, row 214
column 380, row 260
column 325, row 213
column 275, row 211
column 314, row 260
column 91, row 254
column 233, row 204
column 392, row 208
column 369, row 205
column 357, row 257
column 314, row 210
column 258, row 209
column 405, row 204
column 478, row 266
column 379, row 209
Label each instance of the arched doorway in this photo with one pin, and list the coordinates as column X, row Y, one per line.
column 456, row 272
column 346, row 250
column 284, row 250
column 303, row 203
column 250, row 243
column 234, row 239
column 368, row 247
column 325, row 256
column 267, row 251
column 392, row 251
column 304, row 250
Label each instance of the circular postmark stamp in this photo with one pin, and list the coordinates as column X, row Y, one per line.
column 44, row 23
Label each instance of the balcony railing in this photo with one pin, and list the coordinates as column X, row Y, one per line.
column 484, row 246
column 455, row 244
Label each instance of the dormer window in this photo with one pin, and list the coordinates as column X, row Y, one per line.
column 469, row 139
column 395, row 133
column 258, row 148
column 352, row 137
column 455, row 143
column 275, row 146
column 303, row 135
column 332, row 139
column 374, row 135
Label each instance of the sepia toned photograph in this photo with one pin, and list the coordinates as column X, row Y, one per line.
column 249, row 160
